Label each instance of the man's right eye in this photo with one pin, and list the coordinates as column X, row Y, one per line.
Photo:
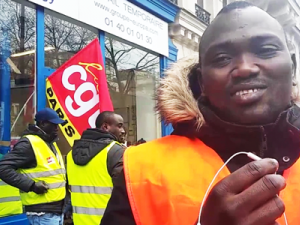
column 221, row 60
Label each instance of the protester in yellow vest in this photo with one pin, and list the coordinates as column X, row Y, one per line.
column 92, row 166
column 239, row 96
column 35, row 166
column 10, row 200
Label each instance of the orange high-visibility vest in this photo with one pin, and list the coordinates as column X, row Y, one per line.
column 166, row 180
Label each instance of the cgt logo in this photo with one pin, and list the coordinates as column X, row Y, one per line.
column 49, row 1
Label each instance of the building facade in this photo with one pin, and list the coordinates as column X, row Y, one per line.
column 38, row 36
column 190, row 23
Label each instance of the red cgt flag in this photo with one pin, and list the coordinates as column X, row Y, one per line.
column 78, row 91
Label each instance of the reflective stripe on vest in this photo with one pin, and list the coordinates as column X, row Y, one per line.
column 10, row 201
column 45, row 174
column 155, row 186
column 91, row 188
column 88, row 211
column 54, row 185
column 50, row 169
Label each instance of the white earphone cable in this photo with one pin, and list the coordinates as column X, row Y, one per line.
column 250, row 155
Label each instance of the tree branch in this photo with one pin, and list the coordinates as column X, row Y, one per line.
column 144, row 66
column 148, row 66
column 124, row 51
column 137, row 65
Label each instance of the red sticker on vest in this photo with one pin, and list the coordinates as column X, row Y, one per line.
column 50, row 160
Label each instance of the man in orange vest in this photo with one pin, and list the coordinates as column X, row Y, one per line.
column 239, row 96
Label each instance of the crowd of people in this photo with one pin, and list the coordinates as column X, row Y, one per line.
column 36, row 167
column 233, row 157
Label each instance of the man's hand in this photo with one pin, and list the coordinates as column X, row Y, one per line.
column 40, row 187
column 246, row 197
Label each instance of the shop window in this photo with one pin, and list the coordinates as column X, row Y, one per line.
column 132, row 75
column 17, row 50
column 64, row 38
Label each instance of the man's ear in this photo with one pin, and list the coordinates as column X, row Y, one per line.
column 294, row 69
column 104, row 126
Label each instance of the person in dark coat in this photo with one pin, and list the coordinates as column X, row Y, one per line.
column 23, row 157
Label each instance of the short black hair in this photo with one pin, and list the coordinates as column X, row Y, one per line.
column 104, row 117
column 235, row 5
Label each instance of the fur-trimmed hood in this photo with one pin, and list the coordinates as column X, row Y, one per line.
column 175, row 100
column 177, row 103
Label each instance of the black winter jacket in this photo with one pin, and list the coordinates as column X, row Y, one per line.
column 94, row 141
column 91, row 143
column 23, row 157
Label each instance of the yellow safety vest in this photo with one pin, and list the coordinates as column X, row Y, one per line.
column 10, row 201
column 91, row 187
column 50, row 169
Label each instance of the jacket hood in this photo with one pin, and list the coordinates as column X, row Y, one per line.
column 91, row 143
column 179, row 93
column 176, row 102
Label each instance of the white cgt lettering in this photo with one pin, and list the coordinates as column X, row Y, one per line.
column 69, row 72
column 84, row 106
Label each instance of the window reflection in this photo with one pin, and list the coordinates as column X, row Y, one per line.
column 17, row 26
column 63, row 40
column 132, row 75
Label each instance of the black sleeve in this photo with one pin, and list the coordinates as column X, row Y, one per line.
column 118, row 210
column 21, row 157
column 115, row 161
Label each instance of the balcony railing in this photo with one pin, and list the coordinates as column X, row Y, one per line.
column 202, row 14
column 174, row 1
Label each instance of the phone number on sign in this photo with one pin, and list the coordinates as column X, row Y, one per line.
column 129, row 31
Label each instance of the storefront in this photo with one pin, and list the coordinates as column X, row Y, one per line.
column 38, row 36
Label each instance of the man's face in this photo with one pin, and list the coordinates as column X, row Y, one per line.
column 116, row 126
column 122, row 138
column 50, row 128
column 246, row 68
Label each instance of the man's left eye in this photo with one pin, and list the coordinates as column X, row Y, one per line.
column 267, row 51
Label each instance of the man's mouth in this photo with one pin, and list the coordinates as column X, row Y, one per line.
column 247, row 88
column 245, row 92
column 247, row 96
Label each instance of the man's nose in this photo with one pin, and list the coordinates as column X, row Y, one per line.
column 245, row 67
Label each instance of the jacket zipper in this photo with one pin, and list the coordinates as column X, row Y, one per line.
column 264, row 145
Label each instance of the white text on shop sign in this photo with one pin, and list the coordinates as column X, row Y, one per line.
column 127, row 21
column 118, row 17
